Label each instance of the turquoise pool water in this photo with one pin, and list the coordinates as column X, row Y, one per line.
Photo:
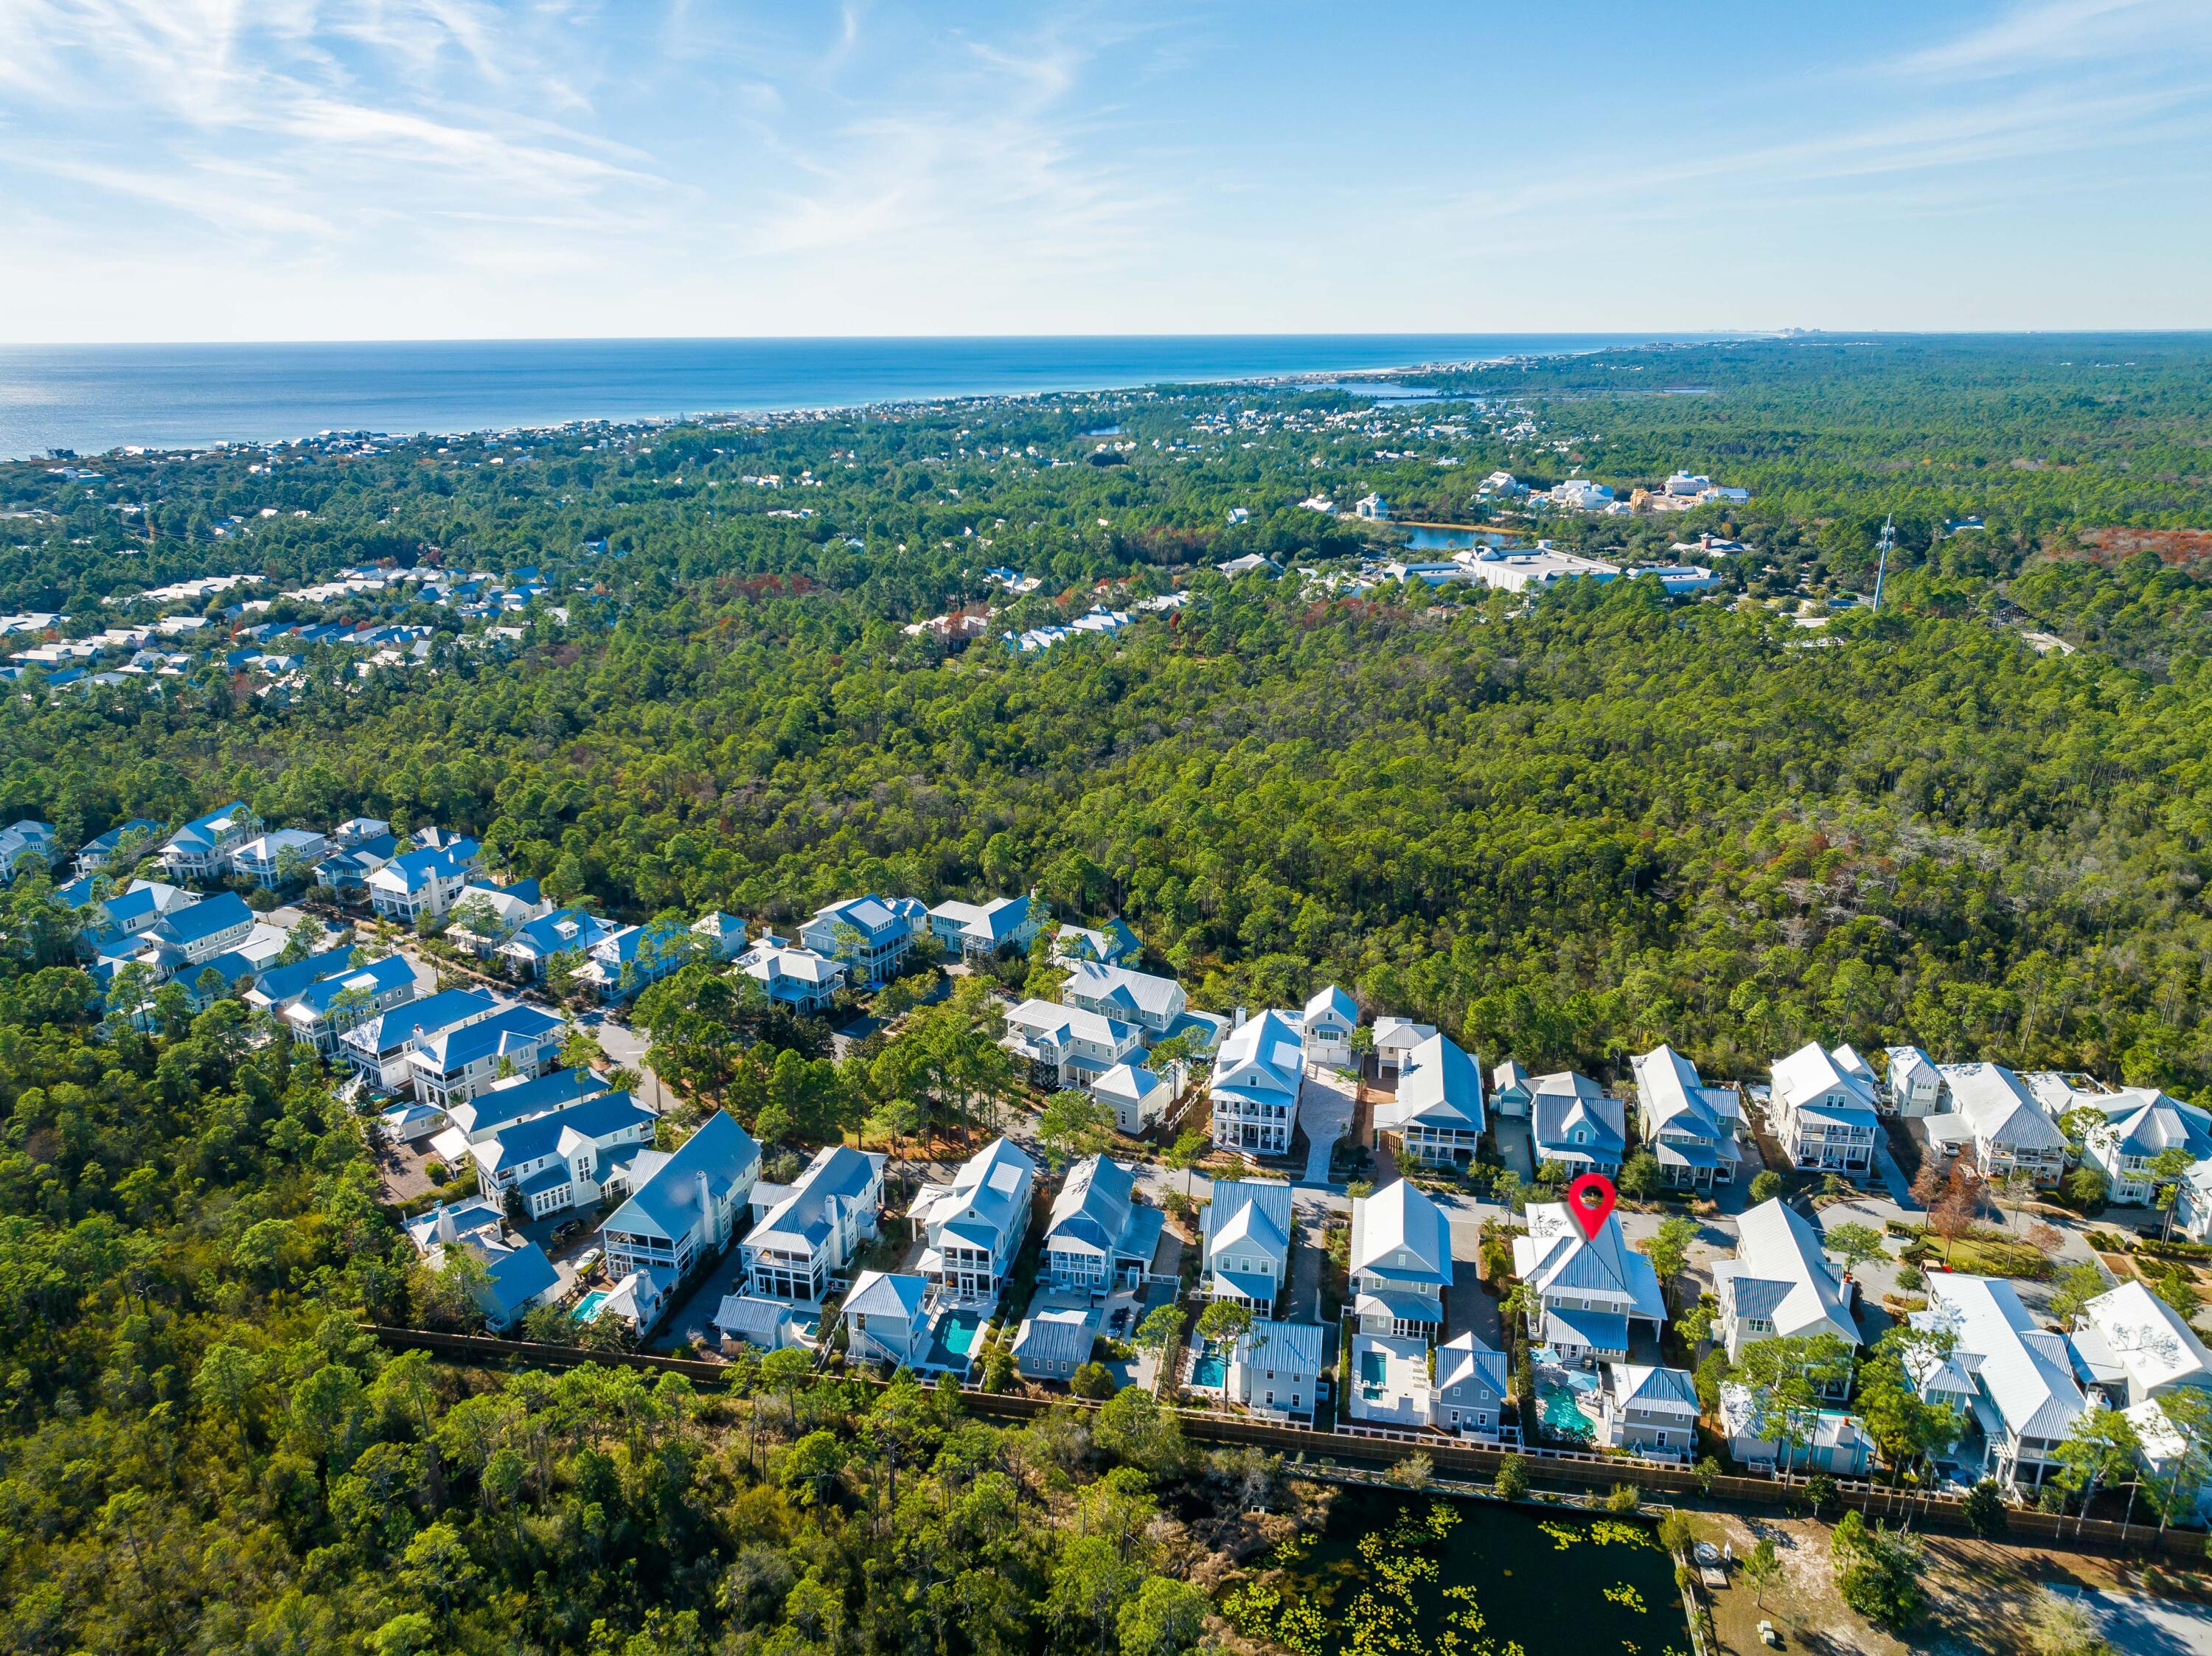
column 1374, row 1367
column 1209, row 1372
column 959, row 1331
column 588, row 1307
column 1555, row 1406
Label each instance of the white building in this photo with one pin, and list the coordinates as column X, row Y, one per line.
column 978, row 931
column 201, row 849
column 1150, row 1003
column 1822, row 1111
column 684, row 1209
column 1256, row 1082
column 267, row 858
column 1400, row 1262
column 1589, row 1294
column 1644, row 1410
column 1993, row 1114
column 887, row 1319
column 1068, row 1047
column 1436, row 1111
column 1915, row 1082
column 1246, row 1242
column 812, row 1231
column 1100, row 1236
column 794, row 977
column 1577, row 1124
column 1693, row 1129
column 1835, row 1441
column 26, row 838
column 871, row 934
column 572, row 1158
column 2131, row 1346
column 2013, row 1380
column 975, row 1225
column 1326, row 1027
column 2140, row 1124
column 1137, row 1096
column 1780, row 1284
column 424, row 883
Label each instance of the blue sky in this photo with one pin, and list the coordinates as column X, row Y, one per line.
column 285, row 169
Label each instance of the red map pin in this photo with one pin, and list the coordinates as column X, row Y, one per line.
column 1589, row 1200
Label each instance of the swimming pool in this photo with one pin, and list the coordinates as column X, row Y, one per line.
column 1556, row 1409
column 588, row 1307
column 959, row 1330
column 1374, row 1368
column 1209, row 1372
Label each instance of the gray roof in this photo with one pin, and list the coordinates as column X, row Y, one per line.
column 1122, row 992
column 1093, row 1209
column 1059, row 1328
column 887, row 1294
column 1440, row 1088
column 2025, row 1371
column 667, row 1203
column 1780, row 1272
column 1464, row 1360
column 1255, row 1210
column 837, row 1177
column 987, row 1198
column 1559, row 1112
column 1397, row 1218
column 1998, row 1106
column 1294, row 1346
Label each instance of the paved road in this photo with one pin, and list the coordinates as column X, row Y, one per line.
column 2136, row 1625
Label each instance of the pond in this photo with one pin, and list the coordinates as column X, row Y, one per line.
column 1394, row 1574
column 1454, row 539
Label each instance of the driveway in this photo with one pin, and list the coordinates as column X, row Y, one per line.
column 1516, row 1145
column 2136, row 1625
column 1326, row 1103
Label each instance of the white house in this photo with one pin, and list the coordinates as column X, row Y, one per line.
column 1589, row 1294
column 1400, row 1262
column 1150, row 1003
column 795, row 977
column 1780, row 1284
column 1834, row 1440
column 1993, row 1112
column 1068, row 1047
column 1137, row 1096
column 424, row 883
column 1436, row 1111
column 486, row 916
column 2011, row 1379
column 126, row 839
column 1577, row 1124
column 1274, row 1368
column 1372, row 508
column 1246, row 1253
column 1512, row 1087
column 1693, row 1129
column 379, row 1047
column 1100, row 1236
column 450, row 1066
column 516, row 1276
column 975, row 1225
column 977, row 931
column 1647, row 1410
column 1395, row 1038
column 2131, row 1346
column 26, row 838
column 333, row 1003
column 2141, row 1124
column 871, row 934
column 684, row 1209
column 571, row 1158
column 1822, row 1111
column 1256, row 1081
column 493, row 1109
column 1327, row 1026
column 1055, row 1336
column 1915, row 1082
column 1471, row 1388
column 1112, row 944
column 201, row 849
column 267, row 858
column 813, row 1230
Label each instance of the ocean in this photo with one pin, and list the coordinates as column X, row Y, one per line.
column 91, row 398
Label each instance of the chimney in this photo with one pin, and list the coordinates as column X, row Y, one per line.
column 1239, row 1020
column 706, row 1207
column 445, row 1224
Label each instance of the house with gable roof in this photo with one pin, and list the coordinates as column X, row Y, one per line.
column 888, row 1320
column 2012, row 1380
column 1100, row 1237
column 630, row 959
column 1436, row 1111
column 1780, row 1284
column 794, row 977
column 323, row 1011
column 425, row 883
column 1577, row 1124
column 449, row 1066
column 266, row 858
column 345, row 871
column 276, row 988
column 1645, row 1410
column 572, row 1157
column 572, row 931
column 486, row 915
column 1274, row 1368
column 1327, row 1026
column 378, row 1047
column 515, row 1277
column 1994, row 1114
column 1914, row 1083
column 812, row 1231
column 1589, row 1294
column 1400, row 1262
column 2141, row 1124
column 1256, row 1083
column 2131, row 1347
column 94, row 855
column 872, row 934
column 1247, row 1243
column 973, row 1226
column 1821, row 1109
column 1150, row 1003
column 1693, row 1130
column 1111, row 944
column 978, row 931
column 1137, row 1096
column 1395, row 1038
column 518, row 1098
column 684, row 1209
column 1068, row 1047
column 201, row 849
column 1510, row 1088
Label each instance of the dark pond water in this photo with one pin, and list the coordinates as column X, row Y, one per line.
column 1453, row 540
column 1421, row 1576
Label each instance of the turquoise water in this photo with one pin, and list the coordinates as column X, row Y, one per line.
column 1374, row 1367
column 1555, row 1404
column 959, row 1330
column 93, row 397
column 588, row 1307
column 1209, row 1372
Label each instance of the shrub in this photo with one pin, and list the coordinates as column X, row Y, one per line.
column 1624, row 1498
column 1091, row 1380
column 1640, row 1177
column 2086, row 1188
column 1984, row 1510
column 1912, row 1279
column 1766, row 1187
column 1820, row 1492
column 1512, row 1483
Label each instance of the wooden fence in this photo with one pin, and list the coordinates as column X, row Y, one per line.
column 1446, row 1455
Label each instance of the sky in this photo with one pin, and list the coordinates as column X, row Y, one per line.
column 365, row 169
